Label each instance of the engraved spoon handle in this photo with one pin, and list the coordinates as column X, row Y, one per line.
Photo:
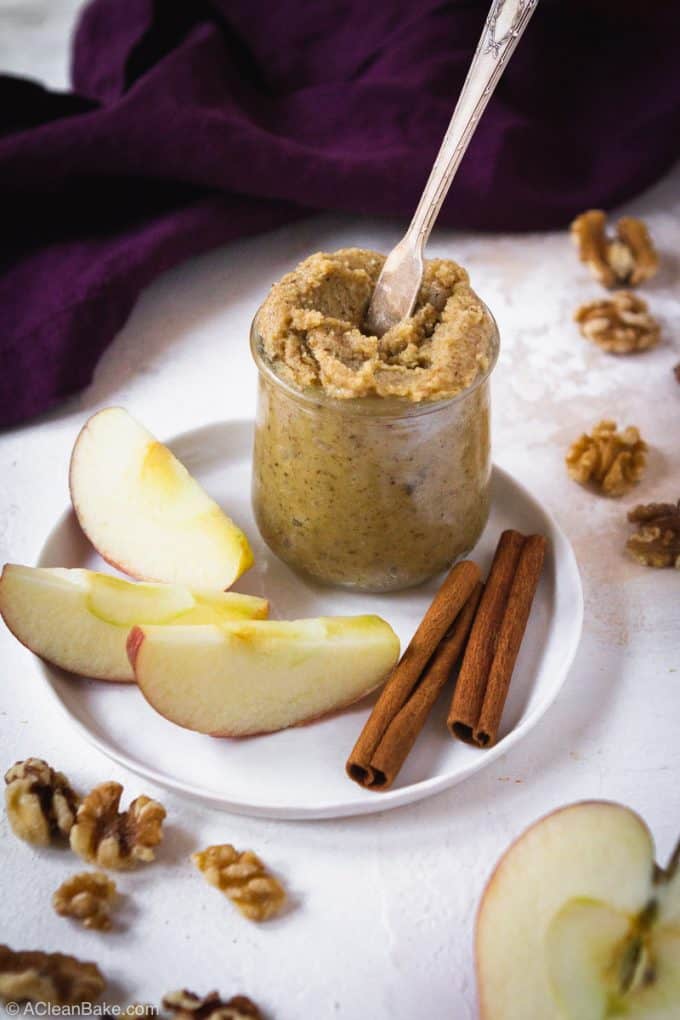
column 397, row 288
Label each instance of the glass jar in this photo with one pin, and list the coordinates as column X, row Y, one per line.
column 371, row 493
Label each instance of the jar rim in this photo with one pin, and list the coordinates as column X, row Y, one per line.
column 374, row 406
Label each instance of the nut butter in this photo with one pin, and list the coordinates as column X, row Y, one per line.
column 372, row 456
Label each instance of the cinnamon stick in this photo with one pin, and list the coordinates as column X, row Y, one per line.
column 468, row 696
column 402, row 732
column 446, row 605
column 510, row 637
column 497, row 632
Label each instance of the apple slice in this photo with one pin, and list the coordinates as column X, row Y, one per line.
column 80, row 620
column 578, row 923
column 257, row 676
column 145, row 514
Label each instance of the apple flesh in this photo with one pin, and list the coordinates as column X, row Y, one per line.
column 258, row 676
column 603, row 962
column 578, row 923
column 80, row 620
column 145, row 514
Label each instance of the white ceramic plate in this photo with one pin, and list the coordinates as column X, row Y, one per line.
column 299, row 773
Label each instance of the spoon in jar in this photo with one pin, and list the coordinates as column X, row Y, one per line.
column 397, row 288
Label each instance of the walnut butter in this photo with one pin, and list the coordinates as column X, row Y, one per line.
column 372, row 462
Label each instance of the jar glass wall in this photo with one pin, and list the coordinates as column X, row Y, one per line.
column 371, row 493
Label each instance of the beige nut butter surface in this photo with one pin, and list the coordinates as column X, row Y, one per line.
column 311, row 326
column 372, row 463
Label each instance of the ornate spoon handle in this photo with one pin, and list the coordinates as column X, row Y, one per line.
column 397, row 288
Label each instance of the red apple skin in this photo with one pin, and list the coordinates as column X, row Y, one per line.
column 483, row 1014
column 134, row 643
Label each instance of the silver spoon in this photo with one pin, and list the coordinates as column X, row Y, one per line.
column 397, row 288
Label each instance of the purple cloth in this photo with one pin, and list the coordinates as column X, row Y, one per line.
column 194, row 123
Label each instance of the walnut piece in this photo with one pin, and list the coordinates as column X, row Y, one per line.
column 184, row 1005
column 621, row 324
column 111, row 839
column 657, row 542
column 243, row 878
column 40, row 802
column 48, row 977
column 621, row 261
column 676, row 371
column 88, row 897
column 612, row 461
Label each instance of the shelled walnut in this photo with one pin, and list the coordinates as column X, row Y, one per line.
column 620, row 324
column 657, row 542
column 40, row 802
column 626, row 259
column 35, row 976
column 184, row 1005
column 243, row 878
column 102, row 835
column 612, row 461
column 87, row 897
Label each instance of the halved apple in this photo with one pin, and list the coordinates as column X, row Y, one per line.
column 145, row 514
column 256, row 676
column 80, row 620
column 578, row 922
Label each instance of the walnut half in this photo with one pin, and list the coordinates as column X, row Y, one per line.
column 111, row 839
column 657, row 542
column 620, row 324
column 243, row 878
column 184, row 1005
column 610, row 460
column 87, row 897
column 48, row 977
column 40, row 802
column 624, row 260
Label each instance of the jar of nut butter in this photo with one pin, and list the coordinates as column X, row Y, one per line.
column 372, row 455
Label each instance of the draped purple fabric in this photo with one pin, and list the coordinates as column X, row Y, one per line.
column 190, row 124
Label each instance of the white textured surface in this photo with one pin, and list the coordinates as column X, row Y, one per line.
column 382, row 919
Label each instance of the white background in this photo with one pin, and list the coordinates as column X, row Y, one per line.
column 383, row 910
